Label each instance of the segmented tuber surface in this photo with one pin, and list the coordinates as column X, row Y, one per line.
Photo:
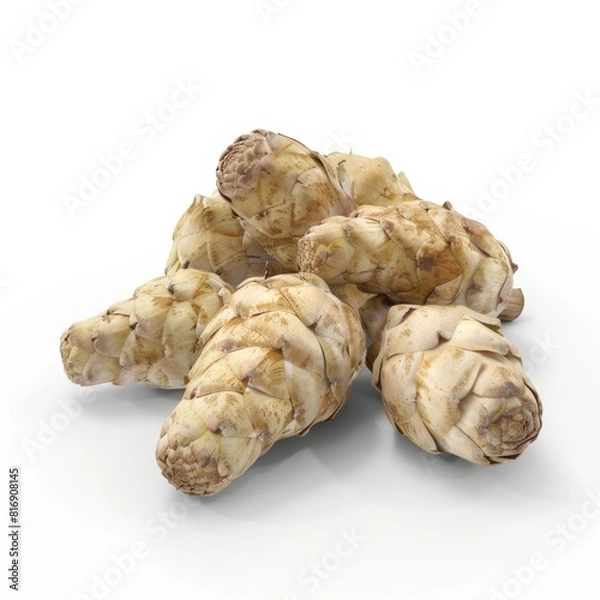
column 152, row 337
column 278, row 358
column 209, row 237
column 371, row 180
column 279, row 188
column 451, row 382
column 415, row 252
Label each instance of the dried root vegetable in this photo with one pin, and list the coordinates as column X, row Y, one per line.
column 152, row 337
column 278, row 358
column 279, row 188
column 415, row 252
column 209, row 237
column 451, row 382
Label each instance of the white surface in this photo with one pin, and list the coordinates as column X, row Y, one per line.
column 333, row 74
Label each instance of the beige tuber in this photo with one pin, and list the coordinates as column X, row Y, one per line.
column 151, row 337
column 278, row 358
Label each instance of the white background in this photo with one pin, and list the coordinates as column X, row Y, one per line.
column 336, row 75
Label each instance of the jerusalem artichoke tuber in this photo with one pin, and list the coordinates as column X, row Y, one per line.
column 279, row 188
column 278, row 358
column 279, row 354
column 152, row 337
column 414, row 252
column 450, row 381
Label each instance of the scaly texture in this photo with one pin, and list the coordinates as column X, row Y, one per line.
column 371, row 180
column 209, row 237
column 415, row 252
column 451, row 382
column 279, row 188
column 278, row 358
column 152, row 337
column 372, row 310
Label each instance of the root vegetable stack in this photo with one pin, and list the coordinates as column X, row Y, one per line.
column 273, row 287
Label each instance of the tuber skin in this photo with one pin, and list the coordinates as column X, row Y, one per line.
column 371, row 180
column 415, row 252
column 151, row 337
column 210, row 237
column 373, row 310
column 451, row 382
column 277, row 359
column 279, row 188
column 514, row 306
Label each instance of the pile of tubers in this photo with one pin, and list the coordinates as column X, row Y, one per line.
column 299, row 270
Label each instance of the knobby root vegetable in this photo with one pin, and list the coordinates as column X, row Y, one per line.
column 451, row 382
column 278, row 358
column 415, row 252
column 209, row 237
column 152, row 337
column 279, row 188
column 279, row 354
